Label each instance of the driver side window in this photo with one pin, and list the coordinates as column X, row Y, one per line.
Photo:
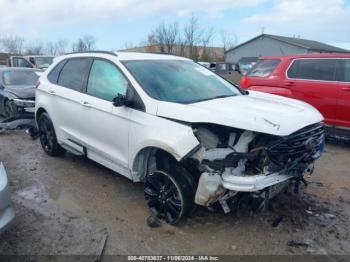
column 21, row 62
column 106, row 81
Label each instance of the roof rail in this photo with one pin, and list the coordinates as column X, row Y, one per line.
column 153, row 53
column 89, row 52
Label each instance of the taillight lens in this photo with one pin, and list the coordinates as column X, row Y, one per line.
column 244, row 82
column 37, row 84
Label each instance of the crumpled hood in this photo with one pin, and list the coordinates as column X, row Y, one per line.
column 22, row 91
column 260, row 112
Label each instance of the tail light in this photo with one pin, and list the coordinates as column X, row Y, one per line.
column 244, row 82
column 37, row 84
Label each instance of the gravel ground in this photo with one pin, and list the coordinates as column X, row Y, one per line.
column 67, row 205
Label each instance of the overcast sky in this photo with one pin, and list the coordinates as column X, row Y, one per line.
column 116, row 22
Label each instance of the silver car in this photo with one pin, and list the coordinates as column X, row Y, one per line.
column 7, row 213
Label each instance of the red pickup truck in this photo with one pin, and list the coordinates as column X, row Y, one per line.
column 322, row 80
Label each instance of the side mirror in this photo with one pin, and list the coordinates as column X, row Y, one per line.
column 121, row 100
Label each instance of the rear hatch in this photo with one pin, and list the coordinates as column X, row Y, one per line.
column 259, row 72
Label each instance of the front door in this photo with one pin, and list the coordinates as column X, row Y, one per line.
column 105, row 128
column 18, row 61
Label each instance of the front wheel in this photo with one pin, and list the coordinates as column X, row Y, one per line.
column 169, row 197
column 48, row 137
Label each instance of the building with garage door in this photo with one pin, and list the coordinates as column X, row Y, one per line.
column 269, row 45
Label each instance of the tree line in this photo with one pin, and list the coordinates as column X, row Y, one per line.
column 19, row 46
column 192, row 40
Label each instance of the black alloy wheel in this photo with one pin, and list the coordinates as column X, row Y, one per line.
column 168, row 197
column 47, row 136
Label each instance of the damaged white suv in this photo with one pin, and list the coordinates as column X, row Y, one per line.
column 189, row 135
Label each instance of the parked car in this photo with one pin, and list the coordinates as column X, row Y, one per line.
column 33, row 61
column 189, row 135
column 246, row 63
column 7, row 213
column 322, row 80
column 17, row 90
column 228, row 71
column 205, row 64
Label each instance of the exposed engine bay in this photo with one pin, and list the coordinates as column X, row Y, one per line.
column 233, row 160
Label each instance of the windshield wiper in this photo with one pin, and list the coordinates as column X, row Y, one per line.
column 210, row 98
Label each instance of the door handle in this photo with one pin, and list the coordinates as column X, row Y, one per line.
column 346, row 89
column 85, row 103
column 51, row 92
column 290, row 84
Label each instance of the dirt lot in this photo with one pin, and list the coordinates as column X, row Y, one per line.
column 66, row 205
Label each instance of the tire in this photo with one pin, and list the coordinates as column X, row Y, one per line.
column 48, row 137
column 10, row 109
column 169, row 195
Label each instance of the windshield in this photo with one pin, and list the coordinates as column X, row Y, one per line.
column 179, row 81
column 264, row 68
column 20, row 77
column 43, row 62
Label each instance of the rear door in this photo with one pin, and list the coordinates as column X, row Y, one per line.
column 313, row 81
column 66, row 102
column 343, row 109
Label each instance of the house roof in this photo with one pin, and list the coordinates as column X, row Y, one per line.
column 305, row 43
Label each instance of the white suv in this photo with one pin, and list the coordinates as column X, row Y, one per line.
column 189, row 135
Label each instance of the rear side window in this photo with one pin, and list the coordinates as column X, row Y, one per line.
column 74, row 73
column 313, row 69
column 54, row 74
column 21, row 62
column 264, row 68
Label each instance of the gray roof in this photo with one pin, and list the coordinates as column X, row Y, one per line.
column 305, row 43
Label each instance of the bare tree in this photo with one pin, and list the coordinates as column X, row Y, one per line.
column 85, row 43
column 35, row 48
column 157, row 37
column 79, row 46
column 13, row 44
column 181, row 42
column 89, row 41
column 128, row 45
column 164, row 36
column 51, row 48
column 206, row 39
column 61, row 46
column 57, row 48
column 192, row 34
column 171, row 35
column 228, row 40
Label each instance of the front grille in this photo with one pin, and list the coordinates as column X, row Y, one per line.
column 305, row 140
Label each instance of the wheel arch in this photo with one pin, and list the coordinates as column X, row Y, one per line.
column 148, row 159
column 38, row 113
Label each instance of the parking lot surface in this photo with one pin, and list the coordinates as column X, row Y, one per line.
column 67, row 205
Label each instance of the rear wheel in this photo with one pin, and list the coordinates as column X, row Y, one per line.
column 169, row 195
column 47, row 136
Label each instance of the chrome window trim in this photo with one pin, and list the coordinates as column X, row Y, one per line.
column 314, row 80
